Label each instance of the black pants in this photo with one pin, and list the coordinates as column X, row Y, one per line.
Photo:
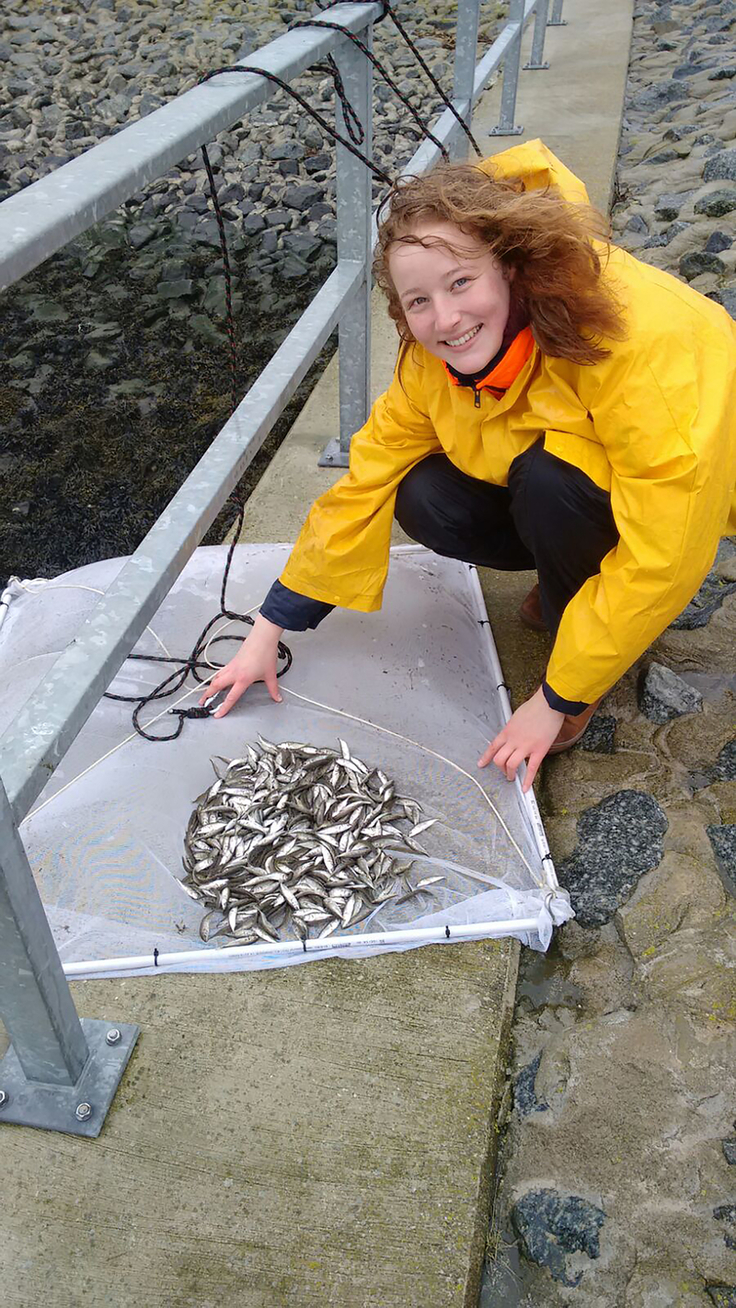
column 550, row 517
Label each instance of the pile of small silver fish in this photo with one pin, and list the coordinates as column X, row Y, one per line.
column 297, row 836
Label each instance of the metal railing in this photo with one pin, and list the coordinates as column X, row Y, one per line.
column 59, row 1073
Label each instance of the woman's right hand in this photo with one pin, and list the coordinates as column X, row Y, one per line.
column 254, row 661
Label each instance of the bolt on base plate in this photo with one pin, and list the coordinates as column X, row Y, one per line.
column 333, row 456
column 62, row 1107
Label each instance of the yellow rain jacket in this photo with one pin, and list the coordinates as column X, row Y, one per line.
column 654, row 425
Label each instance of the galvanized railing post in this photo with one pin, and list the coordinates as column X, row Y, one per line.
column 466, row 45
column 354, row 205
column 506, row 125
column 52, row 1075
column 557, row 20
column 537, row 59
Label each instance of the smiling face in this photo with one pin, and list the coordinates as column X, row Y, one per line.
column 453, row 293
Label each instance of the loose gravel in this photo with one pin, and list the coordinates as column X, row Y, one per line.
column 114, row 379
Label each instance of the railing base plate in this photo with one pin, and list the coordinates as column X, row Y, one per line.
column 534, row 68
column 54, row 1107
column 506, row 131
column 332, row 456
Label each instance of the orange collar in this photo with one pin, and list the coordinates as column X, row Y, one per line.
column 507, row 369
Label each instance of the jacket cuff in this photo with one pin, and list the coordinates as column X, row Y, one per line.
column 555, row 701
column 286, row 608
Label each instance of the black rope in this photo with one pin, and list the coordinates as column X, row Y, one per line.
column 388, row 11
column 386, row 77
column 271, row 77
column 356, row 134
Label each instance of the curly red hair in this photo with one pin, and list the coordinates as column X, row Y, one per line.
column 549, row 243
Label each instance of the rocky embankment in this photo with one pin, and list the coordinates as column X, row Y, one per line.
column 114, row 376
column 616, row 1188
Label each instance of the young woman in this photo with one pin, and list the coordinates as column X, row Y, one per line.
column 556, row 405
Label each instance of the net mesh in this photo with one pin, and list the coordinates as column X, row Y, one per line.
column 105, row 839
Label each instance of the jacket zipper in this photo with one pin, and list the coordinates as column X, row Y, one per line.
column 476, row 393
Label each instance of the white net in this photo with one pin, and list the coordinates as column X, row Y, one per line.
column 105, row 839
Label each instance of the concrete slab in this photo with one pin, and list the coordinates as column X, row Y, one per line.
column 321, row 1135
column 299, row 1138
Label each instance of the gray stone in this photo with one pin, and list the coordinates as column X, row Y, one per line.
column 319, row 211
column 198, row 204
column 722, row 75
column 253, row 224
column 105, row 331
column 619, row 840
column 286, row 150
column 636, row 224
column 525, row 1099
column 726, row 1213
column 232, row 194
column 250, row 153
column 659, row 95
column 140, row 234
column 175, row 290
column 317, row 163
column 278, row 217
column 599, row 738
column 214, row 301
column 724, row 769
column 134, row 68
column 551, row 1226
column 302, row 244
column 723, row 841
column 718, row 241
column 729, row 1151
column 206, row 329
column 293, row 268
column 668, row 205
column 664, row 695
column 216, row 154
column 697, row 262
column 96, row 361
column 301, row 197
column 721, row 166
column 722, row 1296
column 717, row 203
column 309, row 133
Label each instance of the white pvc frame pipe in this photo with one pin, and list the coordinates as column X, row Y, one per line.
column 373, row 940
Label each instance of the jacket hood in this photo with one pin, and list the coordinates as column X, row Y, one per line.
column 538, row 168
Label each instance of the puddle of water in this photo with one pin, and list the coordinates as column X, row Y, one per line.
column 503, row 1285
column 542, row 981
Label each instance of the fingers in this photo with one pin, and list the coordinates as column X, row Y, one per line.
column 231, row 699
column 272, row 686
column 532, row 769
column 509, row 758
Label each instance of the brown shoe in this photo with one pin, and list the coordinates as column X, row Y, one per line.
column 530, row 611
column 573, row 728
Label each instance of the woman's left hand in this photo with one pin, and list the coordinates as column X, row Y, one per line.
column 528, row 734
